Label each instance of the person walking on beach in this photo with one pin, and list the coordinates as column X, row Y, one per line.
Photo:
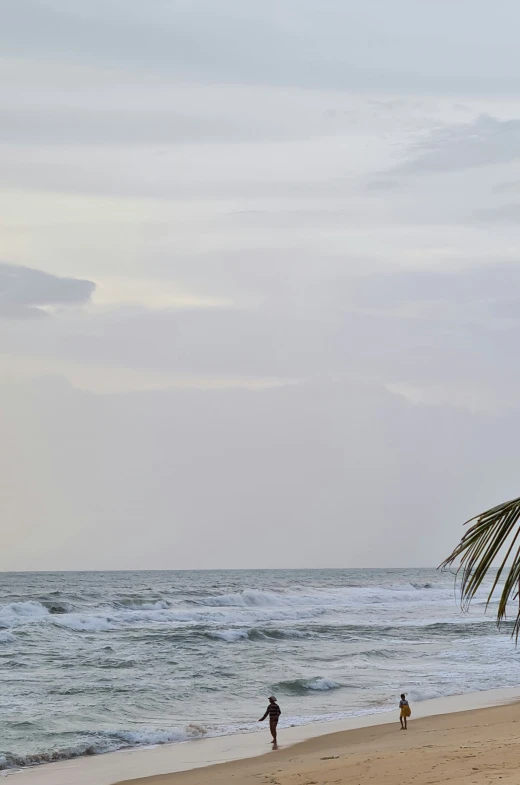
column 405, row 711
column 273, row 711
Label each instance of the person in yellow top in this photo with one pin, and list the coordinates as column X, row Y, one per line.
column 405, row 712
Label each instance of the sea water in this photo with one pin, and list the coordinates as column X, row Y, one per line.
column 94, row 662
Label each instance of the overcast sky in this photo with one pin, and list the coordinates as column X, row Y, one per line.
column 259, row 280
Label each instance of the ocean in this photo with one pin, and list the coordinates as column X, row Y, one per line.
column 93, row 662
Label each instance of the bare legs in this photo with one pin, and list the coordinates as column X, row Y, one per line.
column 272, row 728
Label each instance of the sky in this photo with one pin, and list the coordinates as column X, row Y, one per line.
column 259, row 280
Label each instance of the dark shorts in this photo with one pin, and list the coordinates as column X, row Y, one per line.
column 273, row 722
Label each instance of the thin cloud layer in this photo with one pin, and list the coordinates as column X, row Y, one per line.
column 464, row 46
column 487, row 141
column 282, row 240
column 24, row 292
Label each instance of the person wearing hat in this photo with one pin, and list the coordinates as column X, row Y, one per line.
column 273, row 711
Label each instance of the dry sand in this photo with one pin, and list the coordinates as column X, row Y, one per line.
column 476, row 747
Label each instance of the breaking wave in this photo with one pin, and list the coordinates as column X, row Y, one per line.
column 251, row 598
column 15, row 613
column 233, row 617
column 304, row 686
column 142, row 605
column 105, row 741
column 254, row 634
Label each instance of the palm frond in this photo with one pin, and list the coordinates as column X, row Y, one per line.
column 492, row 536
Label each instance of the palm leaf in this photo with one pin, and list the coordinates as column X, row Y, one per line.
column 492, row 537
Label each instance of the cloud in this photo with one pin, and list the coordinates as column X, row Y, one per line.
column 43, row 106
column 110, row 380
column 336, row 43
column 25, row 292
column 226, row 175
column 423, row 330
column 486, row 141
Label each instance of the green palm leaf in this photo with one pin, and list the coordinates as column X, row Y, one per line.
column 492, row 538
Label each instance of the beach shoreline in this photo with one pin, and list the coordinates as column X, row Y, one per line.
column 171, row 760
column 475, row 747
column 108, row 662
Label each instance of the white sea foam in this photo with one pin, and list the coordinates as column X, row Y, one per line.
column 15, row 613
column 424, row 693
column 157, row 736
column 323, row 684
column 302, row 687
column 342, row 597
column 230, row 636
column 156, row 605
column 84, row 623
column 251, row 598
column 249, row 608
column 106, row 741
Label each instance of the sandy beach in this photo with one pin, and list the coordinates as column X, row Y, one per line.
column 474, row 747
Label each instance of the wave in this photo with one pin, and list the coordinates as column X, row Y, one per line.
column 182, row 618
column 15, row 613
column 249, row 598
column 275, row 634
column 257, row 613
column 85, row 623
column 142, row 605
column 304, row 686
column 155, row 736
column 56, row 606
column 256, row 634
column 322, row 684
column 103, row 742
column 340, row 597
column 230, row 636
column 475, row 627
column 383, row 654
